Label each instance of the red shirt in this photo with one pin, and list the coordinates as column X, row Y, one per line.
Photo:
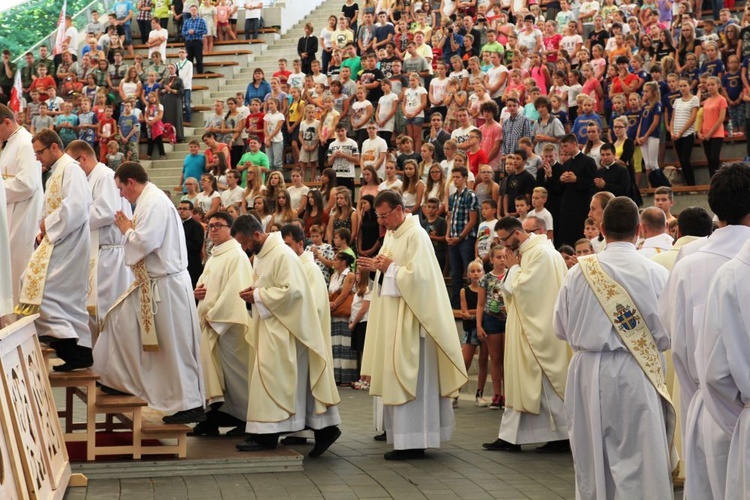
column 256, row 122
column 41, row 85
column 617, row 83
column 282, row 75
column 552, row 45
column 476, row 159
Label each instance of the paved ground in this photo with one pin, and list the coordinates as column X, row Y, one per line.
column 354, row 468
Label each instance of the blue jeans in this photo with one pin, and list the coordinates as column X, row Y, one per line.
column 275, row 153
column 188, row 112
column 716, row 6
column 251, row 24
column 460, row 256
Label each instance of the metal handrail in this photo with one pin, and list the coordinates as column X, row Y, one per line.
column 80, row 20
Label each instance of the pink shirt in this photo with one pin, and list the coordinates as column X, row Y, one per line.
column 491, row 135
column 711, row 109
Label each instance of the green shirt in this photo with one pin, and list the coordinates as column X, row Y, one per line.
column 4, row 80
column 258, row 159
column 494, row 47
column 354, row 64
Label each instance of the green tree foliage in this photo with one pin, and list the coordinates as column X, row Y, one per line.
column 24, row 26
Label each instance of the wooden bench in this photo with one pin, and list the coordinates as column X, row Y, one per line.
column 679, row 189
column 162, row 432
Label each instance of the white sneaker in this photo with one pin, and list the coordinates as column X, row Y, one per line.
column 481, row 402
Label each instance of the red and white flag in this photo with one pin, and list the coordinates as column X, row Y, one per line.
column 60, row 37
column 16, row 94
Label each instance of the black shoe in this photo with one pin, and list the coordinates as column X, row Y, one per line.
column 112, row 391
column 204, row 429
column 404, row 454
column 562, row 446
column 72, row 366
column 381, row 437
column 238, row 431
column 501, row 445
column 194, row 416
column 250, row 445
column 324, row 438
column 293, row 440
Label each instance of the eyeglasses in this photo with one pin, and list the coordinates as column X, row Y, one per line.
column 216, row 227
column 78, row 159
column 618, row 126
column 505, row 240
column 39, row 153
column 384, row 216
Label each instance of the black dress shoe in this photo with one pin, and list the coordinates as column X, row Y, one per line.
column 293, row 440
column 324, row 438
column 194, row 416
column 404, row 454
column 204, row 429
column 253, row 446
column 112, row 391
column 238, row 431
column 381, row 437
column 72, row 366
column 562, row 446
column 501, row 445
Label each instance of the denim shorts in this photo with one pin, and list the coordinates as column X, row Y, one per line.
column 492, row 325
column 128, row 34
column 418, row 120
column 470, row 337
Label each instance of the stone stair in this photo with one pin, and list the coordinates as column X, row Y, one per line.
column 229, row 70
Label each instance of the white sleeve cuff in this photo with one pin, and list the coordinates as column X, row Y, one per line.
column 263, row 311
column 389, row 287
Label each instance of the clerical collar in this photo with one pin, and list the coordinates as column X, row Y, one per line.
column 609, row 166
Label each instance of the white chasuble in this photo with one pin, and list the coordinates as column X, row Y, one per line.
column 536, row 362
column 224, row 321
column 24, row 197
column 419, row 306
column 412, row 347
column 169, row 378
column 287, row 350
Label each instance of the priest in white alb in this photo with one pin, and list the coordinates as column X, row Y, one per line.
column 620, row 418
column 24, row 196
column 294, row 238
column 109, row 277
column 150, row 341
column 224, row 320
column 412, row 349
column 682, row 307
column 291, row 379
column 727, row 386
column 55, row 281
column 654, row 228
column 536, row 362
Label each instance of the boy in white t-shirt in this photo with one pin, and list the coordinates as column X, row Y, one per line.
column 297, row 78
column 486, row 230
column 538, row 199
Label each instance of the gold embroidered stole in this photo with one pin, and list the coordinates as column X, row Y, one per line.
column 147, row 299
column 632, row 329
column 92, row 300
column 35, row 276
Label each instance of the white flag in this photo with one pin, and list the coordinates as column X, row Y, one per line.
column 60, row 38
